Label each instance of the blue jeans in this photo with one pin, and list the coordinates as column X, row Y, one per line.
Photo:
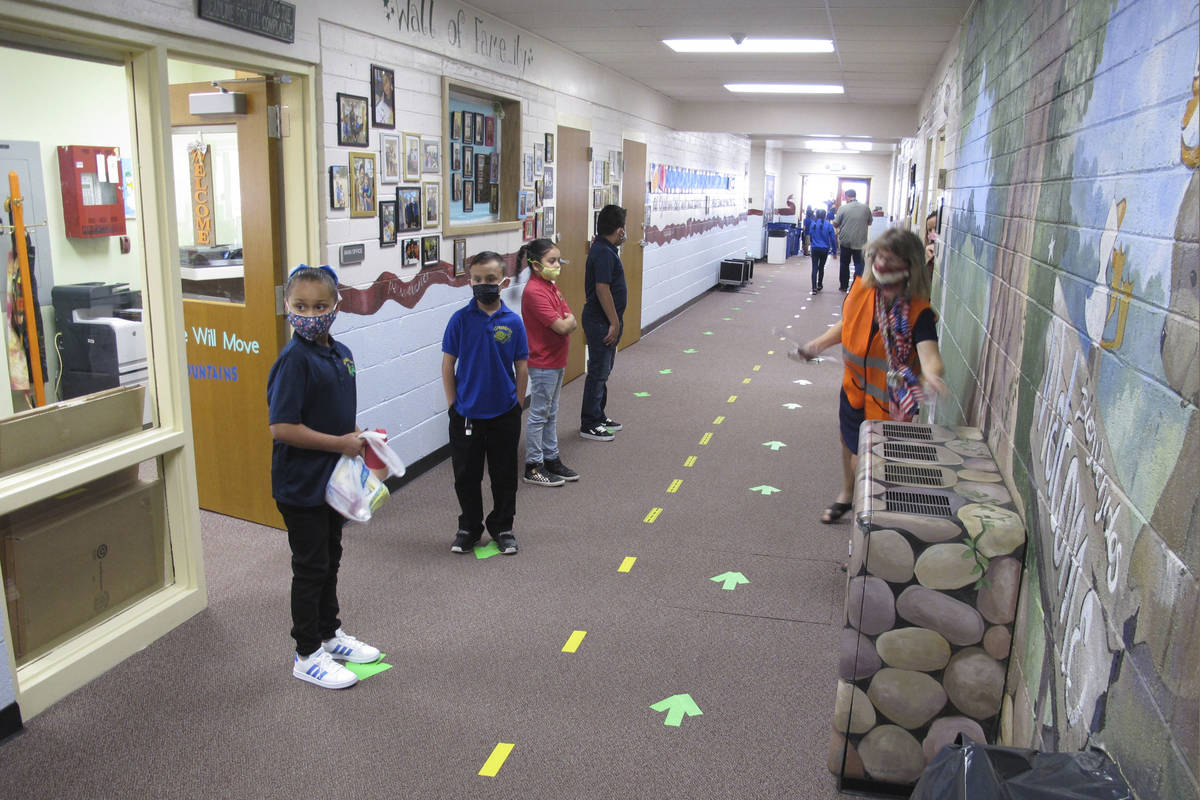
column 541, row 431
column 600, row 363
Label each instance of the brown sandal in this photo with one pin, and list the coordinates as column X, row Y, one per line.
column 835, row 512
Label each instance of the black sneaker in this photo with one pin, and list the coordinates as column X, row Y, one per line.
column 612, row 424
column 556, row 467
column 464, row 542
column 597, row 433
column 507, row 544
column 538, row 476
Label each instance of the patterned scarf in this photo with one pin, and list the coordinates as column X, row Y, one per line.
column 904, row 387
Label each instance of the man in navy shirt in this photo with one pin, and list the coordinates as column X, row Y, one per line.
column 604, row 284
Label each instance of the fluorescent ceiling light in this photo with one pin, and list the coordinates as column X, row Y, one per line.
column 858, row 145
column 827, row 147
column 786, row 88
column 728, row 45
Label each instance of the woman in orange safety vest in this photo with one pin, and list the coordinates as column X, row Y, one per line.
column 889, row 344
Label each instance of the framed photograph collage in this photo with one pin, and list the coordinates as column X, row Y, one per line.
column 409, row 162
column 474, row 167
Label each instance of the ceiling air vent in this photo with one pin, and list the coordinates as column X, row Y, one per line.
column 909, row 452
column 914, row 475
column 921, row 433
column 909, row 502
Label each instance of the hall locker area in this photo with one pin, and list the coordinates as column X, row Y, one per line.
column 711, row 609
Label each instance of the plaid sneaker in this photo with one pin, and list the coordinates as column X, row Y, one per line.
column 538, row 476
column 321, row 669
column 345, row 647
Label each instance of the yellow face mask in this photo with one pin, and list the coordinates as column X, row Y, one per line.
column 549, row 273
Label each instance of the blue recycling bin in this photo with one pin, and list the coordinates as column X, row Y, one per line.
column 795, row 239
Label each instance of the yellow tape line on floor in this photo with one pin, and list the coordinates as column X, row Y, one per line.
column 496, row 759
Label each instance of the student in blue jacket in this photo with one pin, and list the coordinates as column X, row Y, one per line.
column 824, row 242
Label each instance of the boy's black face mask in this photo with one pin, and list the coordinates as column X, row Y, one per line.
column 486, row 293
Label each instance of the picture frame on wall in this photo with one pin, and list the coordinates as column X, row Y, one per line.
column 353, row 129
column 538, row 199
column 431, row 156
column 468, row 197
column 456, row 126
column 494, row 163
column 412, row 252
column 483, row 171
column 468, row 166
column 468, row 127
column 489, row 131
column 595, row 223
column 383, row 97
column 412, row 157
column 537, row 225
column 456, row 184
column 494, row 200
column 597, row 198
column 479, row 129
column 362, row 185
column 455, row 157
column 529, row 229
column 339, row 187
column 387, row 223
column 548, row 183
column 527, row 171
column 389, row 158
column 522, row 203
column 548, row 222
column 430, row 246
column 460, row 257
column 549, row 148
column 433, row 204
column 408, row 210
column 539, row 159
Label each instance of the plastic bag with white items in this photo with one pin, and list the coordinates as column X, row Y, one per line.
column 356, row 489
column 381, row 459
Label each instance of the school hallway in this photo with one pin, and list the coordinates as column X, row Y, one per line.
column 728, row 454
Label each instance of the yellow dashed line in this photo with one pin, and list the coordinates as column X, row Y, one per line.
column 706, row 438
column 627, row 564
column 674, row 487
column 747, row 380
column 770, row 352
column 689, row 461
column 653, row 515
column 573, row 643
column 718, row 420
column 496, row 760
column 732, row 398
column 757, row 367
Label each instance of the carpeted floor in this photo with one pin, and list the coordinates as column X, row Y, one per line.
column 211, row 710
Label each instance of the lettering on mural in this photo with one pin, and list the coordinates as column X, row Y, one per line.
column 212, row 372
column 202, row 203
column 229, row 341
column 474, row 34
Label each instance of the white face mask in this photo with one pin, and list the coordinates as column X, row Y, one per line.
column 889, row 278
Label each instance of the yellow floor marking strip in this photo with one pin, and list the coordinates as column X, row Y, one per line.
column 770, row 352
column 573, row 643
column 732, row 398
column 718, row 420
column 706, row 438
column 689, row 461
column 747, row 380
column 627, row 564
column 757, row 367
column 674, row 487
column 653, row 515
column 496, row 760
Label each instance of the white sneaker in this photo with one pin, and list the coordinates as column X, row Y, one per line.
column 321, row 669
column 345, row 647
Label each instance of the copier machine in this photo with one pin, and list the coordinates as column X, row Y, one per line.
column 103, row 338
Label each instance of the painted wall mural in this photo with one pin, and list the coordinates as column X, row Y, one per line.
column 1071, row 307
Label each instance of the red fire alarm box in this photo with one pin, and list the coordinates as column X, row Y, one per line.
column 93, row 199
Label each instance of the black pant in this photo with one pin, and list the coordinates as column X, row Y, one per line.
column 844, row 265
column 495, row 439
column 819, row 254
column 599, row 366
column 315, row 536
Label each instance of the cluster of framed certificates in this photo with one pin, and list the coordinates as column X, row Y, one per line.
column 474, row 164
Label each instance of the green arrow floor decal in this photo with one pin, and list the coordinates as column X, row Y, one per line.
column 774, row 445
column 664, row 372
column 691, row 350
column 641, row 394
column 730, row 579
column 676, row 707
column 364, row 671
column 488, row 550
column 765, row 490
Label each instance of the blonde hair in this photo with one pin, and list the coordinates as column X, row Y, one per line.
column 906, row 246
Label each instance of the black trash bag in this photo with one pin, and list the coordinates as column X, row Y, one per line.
column 970, row 771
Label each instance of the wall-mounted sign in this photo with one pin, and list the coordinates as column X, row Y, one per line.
column 351, row 254
column 200, row 158
column 272, row 18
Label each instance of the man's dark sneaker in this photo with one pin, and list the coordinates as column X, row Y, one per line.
column 464, row 542
column 507, row 544
column 597, row 433
column 538, row 476
column 556, row 467
column 612, row 424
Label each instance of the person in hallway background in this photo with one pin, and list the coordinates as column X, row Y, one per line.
column 886, row 320
column 484, row 374
column 548, row 324
column 806, row 230
column 852, row 220
column 931, row 239
column 312, row 401
column 604, row 285
column 824, row 241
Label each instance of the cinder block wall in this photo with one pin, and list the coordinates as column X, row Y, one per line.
column 1068, row 293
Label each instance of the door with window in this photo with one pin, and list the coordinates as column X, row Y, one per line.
column 227, row 174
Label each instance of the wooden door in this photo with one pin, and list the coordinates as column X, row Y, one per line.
column 575, row 231
column 233, row 331
column 633, row 195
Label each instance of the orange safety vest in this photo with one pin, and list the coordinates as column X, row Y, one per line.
column 865, row 377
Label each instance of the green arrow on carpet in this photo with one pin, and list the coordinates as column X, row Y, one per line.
column 726, row 319
column 792, row 406
column 803, row 382
column 664, row 372
column 736, row 308
column 641, row 394
column 730, row 579
column 774, row 445
column 364, row 671
column 676, row 707
column 488, row 550
column 765, row 489
column 691, row 350
column 707, row 333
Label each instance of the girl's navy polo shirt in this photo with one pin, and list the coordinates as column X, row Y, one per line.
column 486, row 347
column 314, row 386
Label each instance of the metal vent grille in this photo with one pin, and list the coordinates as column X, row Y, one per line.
column 908, row 473
column 910, row 452
column 920, row 432
column 906, row 502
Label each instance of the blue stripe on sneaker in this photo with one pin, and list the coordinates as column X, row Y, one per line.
column 313, row 670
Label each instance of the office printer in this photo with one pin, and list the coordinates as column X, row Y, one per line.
column 103, row 339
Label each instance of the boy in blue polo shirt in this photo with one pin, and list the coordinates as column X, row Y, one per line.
column 312, row 402
column 484, row 373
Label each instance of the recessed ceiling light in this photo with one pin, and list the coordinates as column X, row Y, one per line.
column 729, row 45
column 786, row 88
column 827, row 147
